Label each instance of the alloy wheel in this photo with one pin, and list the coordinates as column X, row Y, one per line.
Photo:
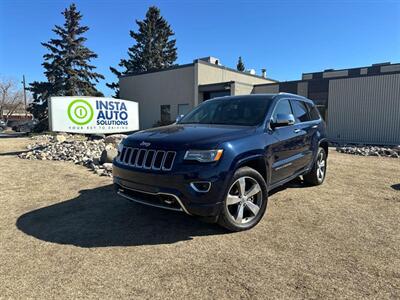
column 244, row 200
column 321, row 166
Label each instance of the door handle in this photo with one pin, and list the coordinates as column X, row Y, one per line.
column 297, row 130
column 315, row 126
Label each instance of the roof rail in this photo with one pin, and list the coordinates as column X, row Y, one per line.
column 291, row 94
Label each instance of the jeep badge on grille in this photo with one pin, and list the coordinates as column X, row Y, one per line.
column 145, row 144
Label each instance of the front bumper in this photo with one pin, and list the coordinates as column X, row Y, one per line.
column 171, row 190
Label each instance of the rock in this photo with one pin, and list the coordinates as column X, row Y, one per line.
column 114, row 139
column 366, row 150
column 108, row 166
column 108, row 155
column 96, row 160
column 94, row 137
column 60, row 138
column 99, row 172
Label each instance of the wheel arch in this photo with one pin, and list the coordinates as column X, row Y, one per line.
column 324, row 144
column 256, row 162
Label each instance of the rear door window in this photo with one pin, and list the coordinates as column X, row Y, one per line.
column 300, row 111
column 313, row 111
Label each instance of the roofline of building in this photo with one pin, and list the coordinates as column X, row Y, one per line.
column 192, row 64
column 233, row 70
column 217, row 83
column 158, row 70
column 330, row 78
column 227, row 82
column 354, row 68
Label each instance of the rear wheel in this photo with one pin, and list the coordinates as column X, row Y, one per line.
column 245, row 202
column 318, row 172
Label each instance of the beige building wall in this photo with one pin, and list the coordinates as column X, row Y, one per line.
column 266, row 89
column 180, row 86
column 209, row 73
column 151, row 90
column 239, row 88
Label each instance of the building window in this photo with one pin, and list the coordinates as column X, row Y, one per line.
column 183, row 109
column 165, row 113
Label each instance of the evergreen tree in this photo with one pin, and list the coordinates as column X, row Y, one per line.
column 67, row 65
column 240, row 65
column 154, row 48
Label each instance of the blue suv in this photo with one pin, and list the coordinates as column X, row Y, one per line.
column 220, row 160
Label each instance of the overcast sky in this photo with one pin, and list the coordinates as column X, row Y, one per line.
column 285, row 37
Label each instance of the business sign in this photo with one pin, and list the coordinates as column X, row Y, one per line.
column 93, row 115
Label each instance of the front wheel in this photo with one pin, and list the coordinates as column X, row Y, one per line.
column 317, row 174
column 245, row 202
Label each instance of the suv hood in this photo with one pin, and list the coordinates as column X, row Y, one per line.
column 200, row 136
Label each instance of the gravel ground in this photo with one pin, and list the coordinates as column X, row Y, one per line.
column 64, row 234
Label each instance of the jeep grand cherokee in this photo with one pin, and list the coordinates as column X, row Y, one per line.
column 221, row 159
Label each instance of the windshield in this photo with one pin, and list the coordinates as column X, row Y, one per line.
column 246, row 111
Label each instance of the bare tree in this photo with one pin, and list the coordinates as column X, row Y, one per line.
column 11, row 98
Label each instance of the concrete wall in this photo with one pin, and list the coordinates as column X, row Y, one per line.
column 302, row 88
column 365, row 109
column 330, row 74
column 390, row 68
column 266, row 89
column 239, row 88
column 151, row 90
column 208, row 73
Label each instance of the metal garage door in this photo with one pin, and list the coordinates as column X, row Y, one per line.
column 365, row 109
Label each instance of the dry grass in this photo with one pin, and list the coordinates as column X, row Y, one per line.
column 64, row 233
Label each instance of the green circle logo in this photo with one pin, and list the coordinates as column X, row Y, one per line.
column 80, row 112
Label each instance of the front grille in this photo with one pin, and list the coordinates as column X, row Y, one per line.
column 147, row 158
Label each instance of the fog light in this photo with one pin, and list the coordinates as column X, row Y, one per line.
column 201, row 186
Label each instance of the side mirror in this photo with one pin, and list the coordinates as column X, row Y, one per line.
column 178, row 118
column 282, row 120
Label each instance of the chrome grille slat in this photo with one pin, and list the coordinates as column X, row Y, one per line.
column 162, row 159
column 138, row 156
column 132, row 160
column 172, row 160
column 130, row 153
column 145, row 160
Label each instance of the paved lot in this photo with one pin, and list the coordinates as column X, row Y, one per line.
column 64, row 233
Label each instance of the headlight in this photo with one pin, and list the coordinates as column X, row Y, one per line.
column 204, row 155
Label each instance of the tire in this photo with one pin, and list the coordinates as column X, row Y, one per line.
column 241, row 211
column 317, row 174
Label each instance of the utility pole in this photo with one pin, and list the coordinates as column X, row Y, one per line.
column 23, row 82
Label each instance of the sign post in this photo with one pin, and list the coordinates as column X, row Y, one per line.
column 93, row 115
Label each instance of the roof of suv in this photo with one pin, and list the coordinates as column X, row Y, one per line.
column 270, row 96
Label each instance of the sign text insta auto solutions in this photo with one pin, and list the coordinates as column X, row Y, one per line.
column 93, row 115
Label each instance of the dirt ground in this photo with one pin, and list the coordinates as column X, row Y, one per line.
column 64, row 233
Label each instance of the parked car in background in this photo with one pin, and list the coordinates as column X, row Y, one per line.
column 24, row 126
column 221, row 159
